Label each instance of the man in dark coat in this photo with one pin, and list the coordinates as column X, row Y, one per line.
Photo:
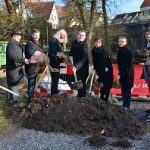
column 126, row 70
column 103, row 66
column 56, row 45
column 79, row 52
column 14, row 65
column 32, row 69
column 145, row 73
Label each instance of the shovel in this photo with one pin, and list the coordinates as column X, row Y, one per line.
column 91, row 83
column 16, row 94
column 77, row 84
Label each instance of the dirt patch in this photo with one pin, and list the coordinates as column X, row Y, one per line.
column 86, row 116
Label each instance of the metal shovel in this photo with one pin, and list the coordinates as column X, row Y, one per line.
column 16, row 94
column 77, row 84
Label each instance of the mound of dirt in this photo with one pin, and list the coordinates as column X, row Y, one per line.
column 86, row 116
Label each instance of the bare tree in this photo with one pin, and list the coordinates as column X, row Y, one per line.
column 105, row 17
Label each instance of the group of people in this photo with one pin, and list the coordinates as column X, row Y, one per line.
column 15, row 60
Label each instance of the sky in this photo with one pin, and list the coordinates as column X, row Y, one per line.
column 130, row 5
column 124, row 6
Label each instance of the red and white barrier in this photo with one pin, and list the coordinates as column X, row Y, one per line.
column 140, row 88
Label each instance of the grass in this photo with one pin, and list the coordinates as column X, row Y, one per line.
column 4, row 111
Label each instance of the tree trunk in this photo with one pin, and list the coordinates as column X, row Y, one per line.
column 91, row 22
column 8, row 6
column 105, row 23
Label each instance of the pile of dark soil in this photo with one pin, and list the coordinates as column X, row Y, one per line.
column 86, row 116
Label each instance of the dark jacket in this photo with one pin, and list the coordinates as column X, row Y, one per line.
column 103, row 65
column 146, row 68
column 79, row 51
column 54, row 47
column 125, row 66
column 30, row 49
column 14, row 62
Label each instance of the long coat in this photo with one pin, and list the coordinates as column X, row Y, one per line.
column 14, row 63
column 79, row 51
column 125, row 66
column 54, row 47
column 103, row 66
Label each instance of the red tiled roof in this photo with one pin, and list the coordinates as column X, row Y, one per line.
column 146, row 3
column 61, row 10
column 41, row 9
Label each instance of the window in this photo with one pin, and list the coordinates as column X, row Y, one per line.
column 146, row 12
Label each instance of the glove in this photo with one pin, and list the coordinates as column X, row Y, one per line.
column 61, row 55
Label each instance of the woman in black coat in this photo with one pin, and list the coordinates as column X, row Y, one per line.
column 126, row 70
column 103, row 66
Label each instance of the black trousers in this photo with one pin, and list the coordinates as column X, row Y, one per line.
column 82, row 91
column 104, row 93
column 55, row 79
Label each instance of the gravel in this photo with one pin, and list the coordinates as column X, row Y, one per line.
column 23, row 139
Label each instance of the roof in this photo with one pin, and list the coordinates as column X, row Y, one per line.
column 126, row 18
column 146, row 3
column 43, row 9
column 61, row 10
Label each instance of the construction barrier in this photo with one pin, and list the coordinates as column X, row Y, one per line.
column 66, row 76
column 140, row 88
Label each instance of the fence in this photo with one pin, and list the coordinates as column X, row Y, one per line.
column 3, row 45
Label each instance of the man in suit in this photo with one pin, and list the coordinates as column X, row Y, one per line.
column 79, row 53
column 126, row 70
